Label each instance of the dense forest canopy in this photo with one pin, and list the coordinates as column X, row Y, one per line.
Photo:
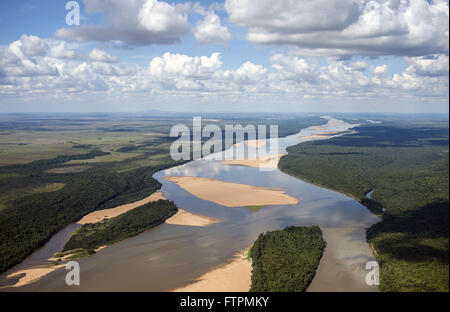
column 286, row 260
column 407, row 166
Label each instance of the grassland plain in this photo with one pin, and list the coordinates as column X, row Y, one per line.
column 56, row 168
column 405, row 162
column 286, row 260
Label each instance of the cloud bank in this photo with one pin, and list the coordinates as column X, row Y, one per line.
column 347, row 27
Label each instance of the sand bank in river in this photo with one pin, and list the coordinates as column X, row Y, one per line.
column 255, row 143
column 326, row 133
column 31, row 274
column 268, row 162
column 232, row 194
column 183, row 217
column 252, row 143
column 99, row 215
column 313, row 136
column 234, row 276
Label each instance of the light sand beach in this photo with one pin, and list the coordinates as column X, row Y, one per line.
column 234, row 276
column 183, row 217
column 331, row 132
column 99, row 215
column 255, row 143
column 232, row 194
column 31, row 274
column 268, row 162
column 313, row 136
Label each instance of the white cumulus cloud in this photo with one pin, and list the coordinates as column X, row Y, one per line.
column 98, row 55
column 347, row 27
column 135, row 22
column 210, row 29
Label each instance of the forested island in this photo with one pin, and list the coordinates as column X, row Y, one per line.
column 91, row 236
column 407, row 165
column 286, row 260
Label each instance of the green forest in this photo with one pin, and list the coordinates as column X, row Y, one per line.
column 93, row 235
column 29, row 221
column 407, row 166
column 286, row 260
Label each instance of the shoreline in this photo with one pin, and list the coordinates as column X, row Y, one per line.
column 36, row 272
column 267, row 162
column 186, row 218
column 330, row 189
column 231, row 276
column 326, row 252
column 99, row 215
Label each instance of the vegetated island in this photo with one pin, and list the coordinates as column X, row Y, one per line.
column 286, row 260
column 406, row 164
column 91, row 236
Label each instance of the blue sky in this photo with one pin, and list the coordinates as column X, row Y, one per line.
column 326, row 55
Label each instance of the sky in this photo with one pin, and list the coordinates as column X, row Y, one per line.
column 224, row 56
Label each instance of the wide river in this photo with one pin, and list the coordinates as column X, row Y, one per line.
column 171, row 256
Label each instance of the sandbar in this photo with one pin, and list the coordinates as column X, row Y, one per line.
column 255, row 143
column 99, row 215
column 232, row 194
column 268, row 162
column 183, row 217
column 313, row 136
column 331, row 132
column 234, row 276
